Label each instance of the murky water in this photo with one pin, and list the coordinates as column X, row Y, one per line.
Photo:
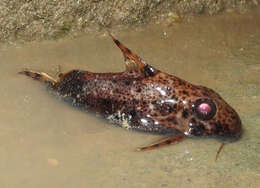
column 46, row 143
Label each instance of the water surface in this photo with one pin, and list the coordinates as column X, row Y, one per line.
column 46, row 143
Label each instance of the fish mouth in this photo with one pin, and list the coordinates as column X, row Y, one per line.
column 230, row 137
column 234, row 132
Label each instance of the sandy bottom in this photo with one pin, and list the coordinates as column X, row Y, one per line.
column 46, row 143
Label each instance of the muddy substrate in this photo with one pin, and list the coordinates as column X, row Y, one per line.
column 27, row 20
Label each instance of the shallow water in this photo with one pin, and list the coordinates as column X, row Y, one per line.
column 46, row 143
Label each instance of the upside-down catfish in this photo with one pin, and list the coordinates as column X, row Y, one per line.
column 146, row 99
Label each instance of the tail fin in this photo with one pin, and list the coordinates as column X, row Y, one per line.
column 40, row 76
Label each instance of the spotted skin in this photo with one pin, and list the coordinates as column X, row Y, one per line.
column 144, row 98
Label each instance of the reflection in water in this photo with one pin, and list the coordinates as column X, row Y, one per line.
column 46, row 143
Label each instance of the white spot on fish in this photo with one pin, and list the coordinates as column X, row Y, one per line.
column 186, row 133
column 144, row 121
column 121, row 119
column 184, row 102
column 170, row 101
column 161, row 91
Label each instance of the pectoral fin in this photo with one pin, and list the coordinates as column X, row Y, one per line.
column 166, row 141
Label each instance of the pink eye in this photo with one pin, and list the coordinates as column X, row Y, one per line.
column 205, row 109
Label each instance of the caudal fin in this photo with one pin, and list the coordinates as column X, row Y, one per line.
column 40, row 76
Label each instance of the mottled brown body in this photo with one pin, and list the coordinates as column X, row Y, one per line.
column 146, row 99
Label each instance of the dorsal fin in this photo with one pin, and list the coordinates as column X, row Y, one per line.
column 132, row 61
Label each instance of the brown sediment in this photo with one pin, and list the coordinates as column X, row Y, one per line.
column 19, row 20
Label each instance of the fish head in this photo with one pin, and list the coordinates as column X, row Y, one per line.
column 210, row 115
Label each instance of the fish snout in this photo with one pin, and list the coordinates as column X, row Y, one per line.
column 231, row 130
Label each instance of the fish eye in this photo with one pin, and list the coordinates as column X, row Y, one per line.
column 204, row 108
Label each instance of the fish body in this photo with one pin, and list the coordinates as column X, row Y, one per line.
column 146, row 99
